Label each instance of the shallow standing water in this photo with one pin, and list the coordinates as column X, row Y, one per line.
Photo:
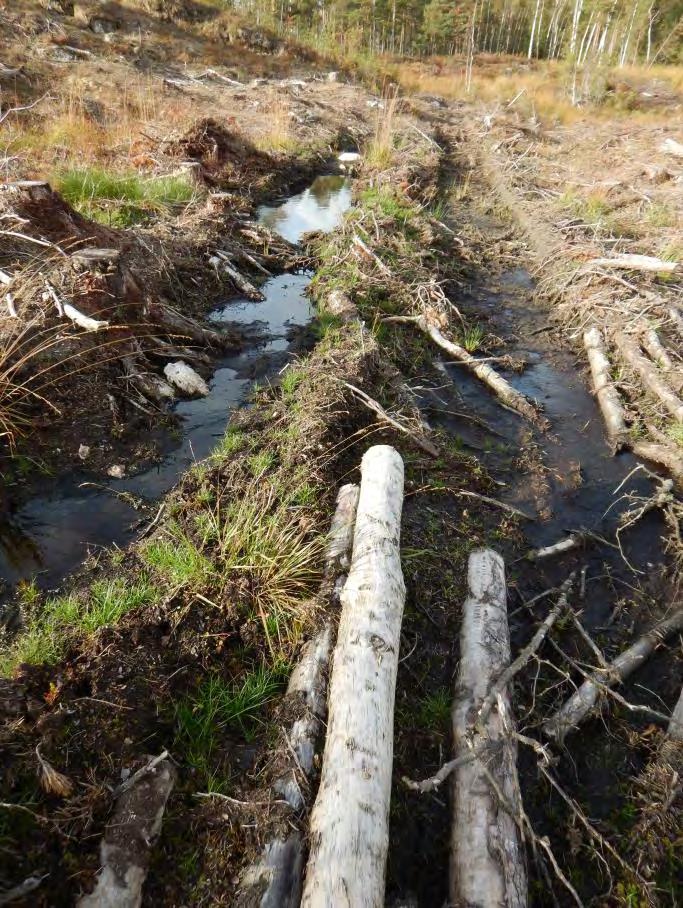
column 49, row 536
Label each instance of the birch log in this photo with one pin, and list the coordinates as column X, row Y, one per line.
column 500, row 387
column 635, row 263
column 607, row 395
column 274, row 880
column 125, row 848
column 581, row 703
column 652, row 379
column 349, row 833
column 487, row 857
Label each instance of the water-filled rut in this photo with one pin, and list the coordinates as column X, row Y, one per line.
column 48, row 536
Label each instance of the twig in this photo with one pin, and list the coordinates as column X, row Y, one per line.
column 145, row 770
column 377, row 408
column 235, row 801
column 526, row 654
column 23, row 889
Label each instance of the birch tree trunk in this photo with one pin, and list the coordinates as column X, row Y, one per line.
column 607, row 395
column 487, row 857
column 350, row 819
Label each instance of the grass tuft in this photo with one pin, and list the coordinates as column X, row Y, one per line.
column 177, row 558
column 48, row 630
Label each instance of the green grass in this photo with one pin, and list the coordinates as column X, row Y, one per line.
column 47, row 630
column 261, row 463
column 661, row 215
column 291, row 379
column 434, row 711
column 177, row 558
column 263, row 537
column 675, row 432
column 218, row 706
column 233, row 441
column 121, row 199
column 472, row 337
column 383, row 200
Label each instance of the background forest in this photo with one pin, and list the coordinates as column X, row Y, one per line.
column 609, row 31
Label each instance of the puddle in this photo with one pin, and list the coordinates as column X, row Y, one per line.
column 581, row 475
column 49, row 536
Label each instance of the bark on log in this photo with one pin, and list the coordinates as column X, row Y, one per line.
column 581, row 703
column 148, row 383
column 275, row 879
column 350, row 819
column 653, row 381
column 487, row 857
column 500, row 387
column 607, row 395
column 181, row 326
column 125, row 849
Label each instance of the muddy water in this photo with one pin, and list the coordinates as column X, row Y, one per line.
column 565, row 479
column 49, row 536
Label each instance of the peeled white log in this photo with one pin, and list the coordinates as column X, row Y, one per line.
column 185, row 378
column 575, row 710
column 11, row 308
column 657, row 351
column 672, row 147
column 607, row 395
column 559, row 548
column 82, row 320
column 275, row 879
column 500, row 387
column 5, row 278
column 635, row 263
column 149, row 384
column 652, row 379
column 349, row 831
column 487, row 857
column 125, row 848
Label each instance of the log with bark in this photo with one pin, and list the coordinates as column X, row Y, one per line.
column 133, row 829
column 607, row 395
column 651, row 377
column 275, row 878
column 582, row 702
column 508, row 395
column 487, row 856
column 349, row 831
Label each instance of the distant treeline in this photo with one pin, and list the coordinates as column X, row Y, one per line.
column 612, row 31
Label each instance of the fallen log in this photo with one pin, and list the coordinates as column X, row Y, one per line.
column 221, row 260
column 148, row 383
column 675, row 730
column 652, row 379
column 573, row 541
column 607, row 395
column 581, row 703
column 677, row 320
column 186, row 379
column 659, row 354
column 634, row 262
column 349, row 830
column 509, row 396
column 128, row 839
column 275, row 879
column 664, row 455
column 487, row 858
column 181, row 326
